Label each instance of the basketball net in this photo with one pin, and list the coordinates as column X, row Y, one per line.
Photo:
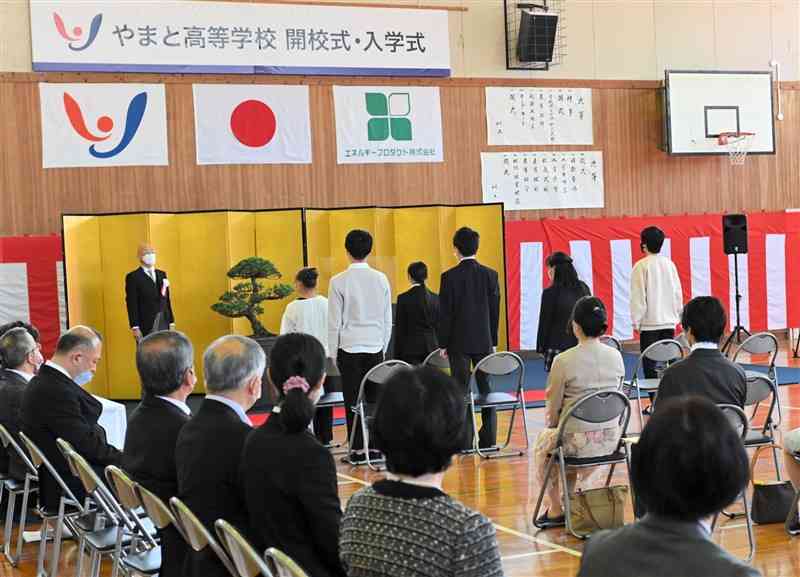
column 737, row 144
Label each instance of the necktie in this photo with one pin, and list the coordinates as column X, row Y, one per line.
column 152, row 275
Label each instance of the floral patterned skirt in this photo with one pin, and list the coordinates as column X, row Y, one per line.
column 584, row 444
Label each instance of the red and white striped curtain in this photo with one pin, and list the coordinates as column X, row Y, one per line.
column 605, row 250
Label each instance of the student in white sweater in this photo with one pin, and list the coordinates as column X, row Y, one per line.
column 309, row 314
column 656, row 295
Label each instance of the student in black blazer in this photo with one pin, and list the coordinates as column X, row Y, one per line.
column 706, row 371
column 20, row 357
column 417, row 317
column 469, row 313
column 165, row 362
column 209, row 447
column 147, row 295
column 289, row 477
column 558, row 300
column 55, row 405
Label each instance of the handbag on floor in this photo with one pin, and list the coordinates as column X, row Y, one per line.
column 596, row 509
column 772, row 500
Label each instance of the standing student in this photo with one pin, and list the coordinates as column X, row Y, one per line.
column 359, row 324
column 656, row 295
column 558, row 300
column 469, row 313
column 309, row 314
column 417, row 315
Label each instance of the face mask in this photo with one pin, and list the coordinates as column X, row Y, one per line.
column 149, row 259
column 83, row 378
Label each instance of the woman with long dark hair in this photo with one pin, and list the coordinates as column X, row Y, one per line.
column 289, row 478
column 417, row 316
column 558, row 300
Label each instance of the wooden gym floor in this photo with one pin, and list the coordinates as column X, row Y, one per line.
column 503, row 490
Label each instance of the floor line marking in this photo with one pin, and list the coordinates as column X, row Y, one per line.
column 354, row 480
column 528, row 554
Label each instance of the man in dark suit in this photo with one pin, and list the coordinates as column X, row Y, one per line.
column 209, row 448
column 55, row 405
column 21, row 357
column 165, row 361
column 147, row 296
column 706, row 371
column 469, row 313
column 417, row 318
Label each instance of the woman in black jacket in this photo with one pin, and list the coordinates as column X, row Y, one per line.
column 289, row 478
column 417, row 317
column 558, row 300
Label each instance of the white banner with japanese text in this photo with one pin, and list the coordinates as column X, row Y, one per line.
column 103, row 125
column 244, row 38
column 543, row 180
column 252, row 124
column 388, row 124
column 538, row 116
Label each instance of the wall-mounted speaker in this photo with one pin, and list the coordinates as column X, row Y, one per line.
column 537, row 36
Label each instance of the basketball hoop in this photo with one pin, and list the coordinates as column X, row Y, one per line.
column 737, row 144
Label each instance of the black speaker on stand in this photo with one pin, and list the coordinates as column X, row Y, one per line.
column 734, row 239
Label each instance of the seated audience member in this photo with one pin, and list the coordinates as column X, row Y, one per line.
column 690, row 465
column 585, row 368
column 20, row 324
column 165, row 361
column 417, row 318
column 289, row 478
column 308, row 313
column 55, row 405
column 20, row 358
column 406, row 524
column 705, row 372
column 209, row 447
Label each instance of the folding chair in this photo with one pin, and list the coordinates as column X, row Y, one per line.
column 760, row 344
column 14, row 488
column 684, row 341
column 284, row 565
column 69, row 509
column 760, row 389
column 332, row 400
column 437, row 361
column 496, row 365
column 665, row 351
column 248, row 563
column 738, row 419
column 197, row 536
column 122, row 534
column 612, row 342
column 377, row 375
column 603, row 406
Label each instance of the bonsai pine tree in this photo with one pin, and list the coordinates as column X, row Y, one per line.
column 245, row 299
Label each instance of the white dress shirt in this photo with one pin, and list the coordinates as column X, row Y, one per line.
column 60, row 369
column 705, row 345
column 359, row 311
column 308, row 316
column 656, row 295
column 26, row 376
column 180, row 404
column 237, row 408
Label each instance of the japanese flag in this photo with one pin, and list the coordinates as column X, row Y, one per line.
column 252, row 124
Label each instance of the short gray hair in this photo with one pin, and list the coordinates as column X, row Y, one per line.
column 162, row 360
column 15, row 346
column 230, row 361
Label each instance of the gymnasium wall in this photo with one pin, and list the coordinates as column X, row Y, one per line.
column 606, row 39
column 639, row 178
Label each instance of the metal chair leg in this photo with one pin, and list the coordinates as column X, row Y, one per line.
column 40, row 566
column 547, row 471
column 749, row 525
column 610, row 474
column 565, row 494
column 23, row 521
column 12, row 498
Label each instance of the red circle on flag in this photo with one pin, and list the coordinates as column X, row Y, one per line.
column 253, row 123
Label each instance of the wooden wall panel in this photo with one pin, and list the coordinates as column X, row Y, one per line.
column 639, row 178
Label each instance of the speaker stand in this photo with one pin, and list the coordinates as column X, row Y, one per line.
column 738, row 329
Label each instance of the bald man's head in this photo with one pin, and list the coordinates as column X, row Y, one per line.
column 78, row 350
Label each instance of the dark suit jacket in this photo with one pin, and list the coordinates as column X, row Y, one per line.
column 469, row 308
column 208, row 455
column 707, row 373
column 54, row 406
column 12, row 387
column 144, row 300
column 149, row 456
column 292, row 497
column 555, row 315
column 658, row 547
column 415, row 331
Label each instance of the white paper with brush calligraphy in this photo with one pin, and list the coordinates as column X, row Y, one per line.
column 543, row 180
column 539, row 116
